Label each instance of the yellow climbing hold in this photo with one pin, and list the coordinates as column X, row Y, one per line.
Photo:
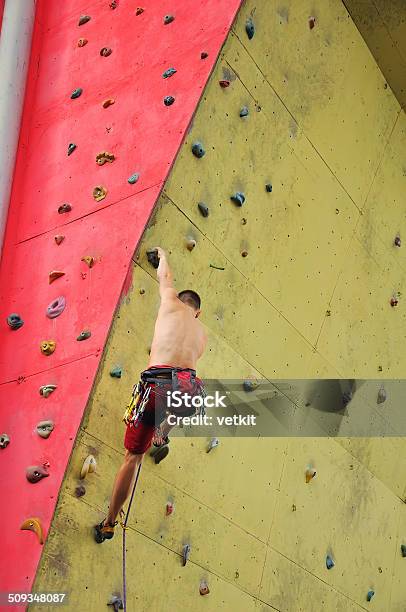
column 99, row 193
column 47, row 347
column 89, row 260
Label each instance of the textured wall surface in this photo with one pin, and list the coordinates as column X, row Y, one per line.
column 311, row 298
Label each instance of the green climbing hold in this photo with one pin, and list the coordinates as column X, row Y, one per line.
column 198, row 149
column 403, row 550
column 244, row 111
column 133, row 178
column 169, row 100
column 168, row 73
column 71, row 148
column 84, row 335
column 76, row 93
column 116, row 372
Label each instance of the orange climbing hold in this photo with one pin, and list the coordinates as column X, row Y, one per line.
column 310, row 474
column 104, row 158
column 89, row 260
column 54, row 275
column 34, row 524
column 99, row 193
column 48, row 347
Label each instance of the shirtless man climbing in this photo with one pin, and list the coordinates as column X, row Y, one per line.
column 179, row 341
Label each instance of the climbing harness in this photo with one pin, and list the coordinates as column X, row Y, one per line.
column 124, row 526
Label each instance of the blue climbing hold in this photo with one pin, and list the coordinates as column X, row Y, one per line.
column 76, row 93
column 169, row 100
column 71, row 148
column 268, row 187
column 250, row 28
column 329, row 562
column 168, row 73
column 198, row 149
column 244, row 111
column 370, row 595
column 14, row 321
column 238, row 198
column 133, row 178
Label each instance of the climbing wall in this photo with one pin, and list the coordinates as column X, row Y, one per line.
column 296, row 120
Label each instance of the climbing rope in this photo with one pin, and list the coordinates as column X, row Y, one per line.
column 124, row 526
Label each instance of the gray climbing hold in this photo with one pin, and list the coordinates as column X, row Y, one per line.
column 14, row 321
column 56, row 307
column 329, row 562
column 198, row 149
column 204, row 209
column 168, row 19
column 186, row 554
column 76, row 93
column 168, row 73
column 250, row 385
column 381, row 396
column 169, row 100
column 238, row 198
column 84, row 19
column 84, row 335
column 45, row 428
column 370, row 595
column 250, row 28
column 4, row 440
column 214, row 442
column 244, row 111
column 152, row 256
column 71, row 148
column 402, row 548
column 116, row 372
column 35, row 473
column 46, row 390
column 116, row 601
column 133, row 178
column 268, row 187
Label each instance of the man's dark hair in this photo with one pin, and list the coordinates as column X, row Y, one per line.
column 190, row 297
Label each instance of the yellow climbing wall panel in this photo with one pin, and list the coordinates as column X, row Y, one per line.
column 311, row 299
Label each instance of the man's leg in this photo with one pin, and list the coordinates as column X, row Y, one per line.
column 123, row 484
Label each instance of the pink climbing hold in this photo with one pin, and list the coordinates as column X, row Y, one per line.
column 169, row 508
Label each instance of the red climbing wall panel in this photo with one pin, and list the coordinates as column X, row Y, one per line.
column 144, row 135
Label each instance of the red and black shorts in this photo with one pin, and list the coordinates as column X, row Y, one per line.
column 147, row 408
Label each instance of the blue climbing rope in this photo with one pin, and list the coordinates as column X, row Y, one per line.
column 124, row 526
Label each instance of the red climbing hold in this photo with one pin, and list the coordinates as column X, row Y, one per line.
column 224, row 83
column 169, row 508
column 394, row 301
column 312, row 22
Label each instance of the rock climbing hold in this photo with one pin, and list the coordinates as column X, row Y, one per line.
column 84, row 19
column 169, row 100
column 14, row 321
column 216, row 267
column 54, row 275
column 47, row 347
column 152, row 256
column 198, row 149
column 329, row 562
column 116, row 372
column 76, row 93
column 56, row 307
column 268, row 187
column 116, row 601
column 203, row 55
column 104, row 158
column 381, row 396
column 170, row 507
column 82, row 42
column 99, row 193
column 160, row 453
column 224, row 83
column 243, row 221
column 133, row 178
column 108, row 102
column 244, row 253
column 370, row 595
column 4, row 440
column 89, row 260
column 45, row 428
column 214, row 442
column 244, row 111
column 89, row 466
column 168, row 73
column 168, row 19
column 250, row 28
column 204, row 209
column 394, row 301
column 250, row 385
column 310, row 474
column 185, row 554
column 204, row 588
column 139, row 11
column 294, row 508
column 46, row 390
column 312, row 22
column 106, row 51
column 71, row 148
column 35, row 473
column 80, row 490
column 84, row 335
column 190, row 244
column 34, row 524
column 114, row 4
column 397, row 241
column 238, row 198
column 64, row 208
column 402, row 547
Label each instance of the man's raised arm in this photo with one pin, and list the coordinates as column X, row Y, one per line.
column 164, row 274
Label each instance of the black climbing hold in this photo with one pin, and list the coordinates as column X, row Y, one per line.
column 398, row 241
column 64, row 208
column 71, row 148
column 35, row 473
column 185, row 554
column 14, row 321
column 329, row 562
column 152, row 256
column 84, row 335
column 169, row 100
column 133, row 178
column 114, row 4
column 76, row 93
column 168, row 19
column 80, row 490
column 168, row 73
column 238, row 198
column 204, row 209
column 268, row 187
column 4, row 440
column 244, row 111
column 347, row 397
column 216, row 267
column 161, row 453
column 370, row 595
column 203, row 55
column 244, row 253
column 250, row 28
column 198, row 149
column 84, row 19
column 106, row 51
column 116, row 372
column 117, row 603
column 403, row 550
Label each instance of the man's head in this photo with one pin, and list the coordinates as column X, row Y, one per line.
column 192, row 299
